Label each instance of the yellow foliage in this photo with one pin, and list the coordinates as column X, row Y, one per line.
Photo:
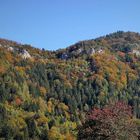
column 42, row 104
column 49, row 106
column 42, row 120
column 43, row 91
column 21, row 70
column 69, row 137
column 54, row 134
column 63, row 106
column 109, row 66
column 17, row 123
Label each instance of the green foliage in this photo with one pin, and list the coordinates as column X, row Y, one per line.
column 53, row 91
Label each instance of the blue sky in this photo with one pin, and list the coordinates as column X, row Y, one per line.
column 54, row 24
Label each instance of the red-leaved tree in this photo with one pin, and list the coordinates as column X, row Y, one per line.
column 113, row 122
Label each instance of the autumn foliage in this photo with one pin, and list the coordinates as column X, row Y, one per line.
column 113, row 122
column 47, row 94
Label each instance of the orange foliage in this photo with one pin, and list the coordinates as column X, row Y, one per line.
column 2, row 69
column 18, row 101
column 111, row 67
column 9, row 57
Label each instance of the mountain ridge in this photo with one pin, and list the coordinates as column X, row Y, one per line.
column 115, row 34
column 47, row 94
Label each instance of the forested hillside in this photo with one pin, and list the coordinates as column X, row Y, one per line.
column 45, row 95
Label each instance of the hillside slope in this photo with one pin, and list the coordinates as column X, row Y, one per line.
column 45, row 95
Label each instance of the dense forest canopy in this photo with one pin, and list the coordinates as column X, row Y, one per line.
column 46, row 94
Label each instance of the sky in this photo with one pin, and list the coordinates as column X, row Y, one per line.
column 55, row 24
